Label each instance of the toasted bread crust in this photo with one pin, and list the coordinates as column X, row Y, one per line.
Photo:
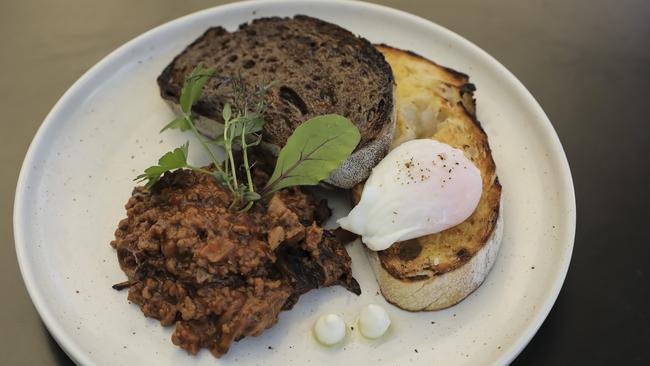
column 443, row 290
column 439, row 270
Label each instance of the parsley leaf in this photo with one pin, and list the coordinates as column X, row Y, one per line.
column 170, row 161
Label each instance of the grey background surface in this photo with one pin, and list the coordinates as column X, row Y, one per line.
column 586, row 62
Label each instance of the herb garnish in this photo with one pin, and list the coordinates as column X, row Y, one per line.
column 311, row 153
column 170, row 161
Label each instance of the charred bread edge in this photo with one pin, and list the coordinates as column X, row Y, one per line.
column 457, row 74
column 444, row 290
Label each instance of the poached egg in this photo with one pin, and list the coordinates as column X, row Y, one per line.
column 421, row 187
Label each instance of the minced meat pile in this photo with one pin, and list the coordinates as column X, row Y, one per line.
column 217, row 274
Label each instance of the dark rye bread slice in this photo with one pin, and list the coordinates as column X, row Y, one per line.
column 319, row 68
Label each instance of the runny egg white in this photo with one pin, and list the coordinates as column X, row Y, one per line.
column 421, row 187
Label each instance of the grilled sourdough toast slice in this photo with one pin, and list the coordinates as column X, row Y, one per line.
column 439, row 270
column 319, row 68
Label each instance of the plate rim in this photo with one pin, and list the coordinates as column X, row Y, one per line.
column 66, row 340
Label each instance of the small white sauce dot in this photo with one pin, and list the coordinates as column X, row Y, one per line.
column 329, row 329
column 373, row 321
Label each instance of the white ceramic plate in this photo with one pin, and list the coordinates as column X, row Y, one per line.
column 78, row 174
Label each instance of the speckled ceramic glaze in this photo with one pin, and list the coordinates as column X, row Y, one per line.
column 78, row 175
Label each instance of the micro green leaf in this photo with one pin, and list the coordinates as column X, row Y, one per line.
column 220, row 140
column 176, row 158
column 226, row 112
column 251, row 196
column 172, row 160
column 221, row 177
column 179, row 123
column 313, row 151
column 193, row 87
column 251, row 124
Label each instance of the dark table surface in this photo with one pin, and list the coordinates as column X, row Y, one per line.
column 586, row 62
